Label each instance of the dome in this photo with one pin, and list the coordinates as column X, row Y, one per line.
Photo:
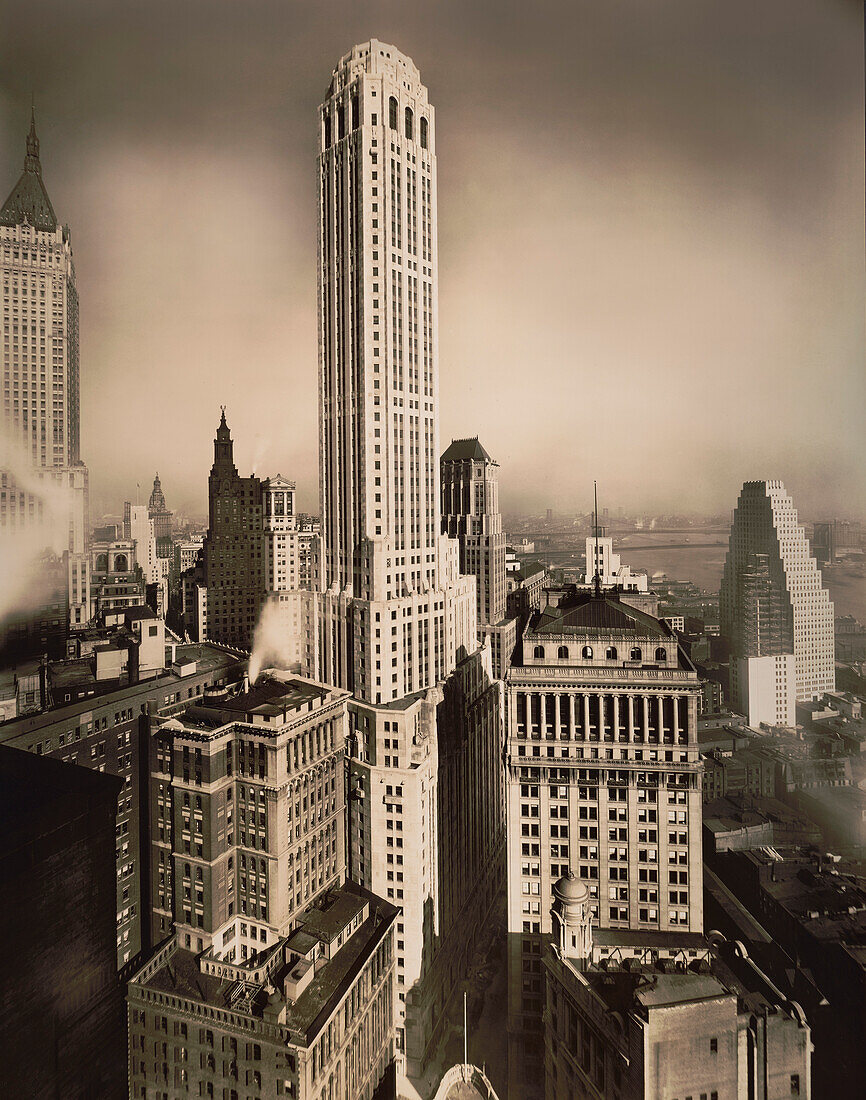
column 570, row 889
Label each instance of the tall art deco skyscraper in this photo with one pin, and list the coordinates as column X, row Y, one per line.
column 773, row 609
column 397, row 621
column 43, row 483
column 397, row 610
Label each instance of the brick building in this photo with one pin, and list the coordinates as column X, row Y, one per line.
column 109, row 731
column 309, row 1016
column 247, row 813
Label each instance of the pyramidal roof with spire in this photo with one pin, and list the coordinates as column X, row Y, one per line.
column 28, row 200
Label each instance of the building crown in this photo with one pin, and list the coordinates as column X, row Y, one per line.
column 28, row 202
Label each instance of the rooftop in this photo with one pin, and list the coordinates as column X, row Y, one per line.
column 272, row 696
column 208, row 658
column 182, row 975
column 463, row 450
column 28, row 201
column 587, row 614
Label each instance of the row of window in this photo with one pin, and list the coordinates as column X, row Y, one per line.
column 610, row 653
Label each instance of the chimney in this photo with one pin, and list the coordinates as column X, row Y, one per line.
column 43, row 682
column 132, row 661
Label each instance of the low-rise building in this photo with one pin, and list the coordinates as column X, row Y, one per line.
column 310, row 1015
column 663, row 1019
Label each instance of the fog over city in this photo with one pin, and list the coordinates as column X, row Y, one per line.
column 650, row 234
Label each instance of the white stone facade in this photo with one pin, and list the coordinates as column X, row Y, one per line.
column 395, row 606
column 43, row 486
column 772, row 600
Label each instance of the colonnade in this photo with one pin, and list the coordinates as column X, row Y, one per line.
column 612, row 717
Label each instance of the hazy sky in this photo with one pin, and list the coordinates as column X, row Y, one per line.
column 651, row 256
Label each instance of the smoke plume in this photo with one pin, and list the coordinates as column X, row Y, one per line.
column 27, row 542
column 275, row 642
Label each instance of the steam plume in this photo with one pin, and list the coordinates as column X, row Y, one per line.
column 275, row 642
column 24, row 548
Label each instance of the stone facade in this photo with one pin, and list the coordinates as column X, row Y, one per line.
column 603, row 779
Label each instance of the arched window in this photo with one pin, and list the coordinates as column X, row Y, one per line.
column 120, row 563
column 392, row 113
column 408, row 123
column 586, row 652
column 355, row 113
column 610, row 653
column 661, row 654
column 102, row 563
column 327, row 131
column 635, row 653
column 562, row 653
column 423, row 128
column 538, row 651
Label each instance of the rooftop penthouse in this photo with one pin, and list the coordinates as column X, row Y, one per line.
column 281, row 1020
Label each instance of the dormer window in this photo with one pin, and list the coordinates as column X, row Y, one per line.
column 586, row 653
column 538, row 652
column 562, row 652
column 661, row 654
column 635, row 653
column 610, row 653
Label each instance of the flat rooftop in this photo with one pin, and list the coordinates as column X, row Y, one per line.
column 181, row 974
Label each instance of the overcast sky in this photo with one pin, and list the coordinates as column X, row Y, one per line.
column 651, row 257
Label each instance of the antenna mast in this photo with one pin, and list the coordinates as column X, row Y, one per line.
column 595, row 532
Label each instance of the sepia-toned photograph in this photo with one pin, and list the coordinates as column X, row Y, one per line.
column 433, row 550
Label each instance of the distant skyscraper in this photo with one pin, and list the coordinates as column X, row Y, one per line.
column 601, row 561
column 232, row 553
column 773, row 609
column 159, row 513
column 470, row 514
column 45, row 483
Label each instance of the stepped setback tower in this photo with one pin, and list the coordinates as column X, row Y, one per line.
column 773, row 609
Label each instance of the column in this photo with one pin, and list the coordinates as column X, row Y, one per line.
column 586, row 725
column 630, row 701
column 572, row 729
column 616, row 718
column 646, row 706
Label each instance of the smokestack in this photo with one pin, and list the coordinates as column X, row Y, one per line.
column 246, row 686
column 43, row 682
column 132, row 661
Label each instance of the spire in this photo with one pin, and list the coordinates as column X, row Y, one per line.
column 223, row 449
column 28, row 201
column 31, row 160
